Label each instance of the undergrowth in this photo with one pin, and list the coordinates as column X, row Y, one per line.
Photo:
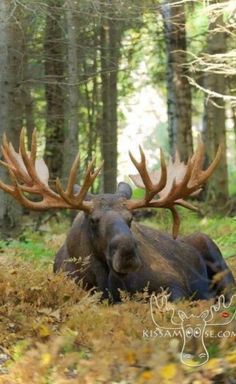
column 53, row 332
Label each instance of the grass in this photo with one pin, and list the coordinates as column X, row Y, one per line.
column 221, row 229
column 53, row 332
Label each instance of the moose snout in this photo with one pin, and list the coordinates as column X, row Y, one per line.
column 122, row 254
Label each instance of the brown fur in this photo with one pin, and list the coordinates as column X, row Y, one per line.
column 112, row 256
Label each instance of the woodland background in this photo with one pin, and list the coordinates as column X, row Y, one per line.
column 81, row 71
column 101, row 77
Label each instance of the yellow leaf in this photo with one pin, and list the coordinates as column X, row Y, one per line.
column 146, row 375
column 46, row 358
column 168, row 371
column 231, row 358
column 130, row 357
column 44, row 331
column 213, row 363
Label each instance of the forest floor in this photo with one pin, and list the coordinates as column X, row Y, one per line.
column 53, row 332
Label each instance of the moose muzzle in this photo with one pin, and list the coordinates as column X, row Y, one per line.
column 122, row 254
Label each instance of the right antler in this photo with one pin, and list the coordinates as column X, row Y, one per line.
column 173, row 183
column 30, row 175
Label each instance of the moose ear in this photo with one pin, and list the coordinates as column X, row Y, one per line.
column 88, row 197
column 124, row 190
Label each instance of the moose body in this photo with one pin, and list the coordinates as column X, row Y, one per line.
column 103, row 248
column 106, row 251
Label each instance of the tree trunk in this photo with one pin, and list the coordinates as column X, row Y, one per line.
column 26, row 87
column 232, row 87
column 178, row 87
column 54, row 73
column 110, row 47
column 11, row 107
column 214, row 120
column 71, row 140
column 234, row 123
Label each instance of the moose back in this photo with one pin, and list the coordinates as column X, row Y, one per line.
column 104, row 248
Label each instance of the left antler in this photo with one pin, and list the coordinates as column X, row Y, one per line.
column 173, row 183
column 30, row 175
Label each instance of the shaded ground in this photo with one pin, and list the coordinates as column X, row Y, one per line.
column 53, row 332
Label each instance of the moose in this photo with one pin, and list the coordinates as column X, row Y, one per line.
column 105, row 249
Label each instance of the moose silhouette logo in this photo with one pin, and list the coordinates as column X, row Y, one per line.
column 192, row 327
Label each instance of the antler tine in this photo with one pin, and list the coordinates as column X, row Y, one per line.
column 177, row 182
column 31, row 175
column 77, row 200
column 88, row 180
column 6, row 188
column 30, row 166
column 26, row 159
column 12, row 160
column 198, row 157
column 6, row 165
column 208, row 172
column 14, row 190
column 177, row 190
column 73, row 175
column 187, row 205
column 151, row 188
column 5, row 150
column 163, row 179
column 176, row 222
column 141, row 168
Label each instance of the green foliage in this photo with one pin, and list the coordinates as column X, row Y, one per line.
column 138, row 193
column 19, row 349
column 27, row 250
column 221, row 229
column 232, row 181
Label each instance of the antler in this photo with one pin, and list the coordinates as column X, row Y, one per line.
column 30, row 175
column 173, row 183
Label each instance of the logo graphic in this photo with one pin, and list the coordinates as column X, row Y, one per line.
column 193, row 328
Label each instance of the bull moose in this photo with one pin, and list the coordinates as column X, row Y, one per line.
column 106, row 250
